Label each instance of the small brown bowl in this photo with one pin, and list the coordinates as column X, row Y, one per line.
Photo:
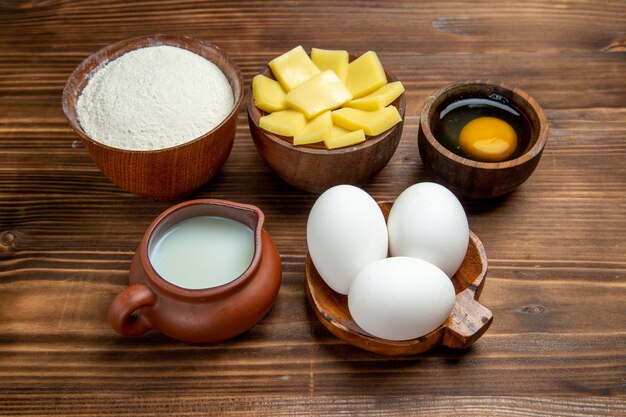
column 163, row 174
column 465, row 324
column 314, row 168
column 481, row 179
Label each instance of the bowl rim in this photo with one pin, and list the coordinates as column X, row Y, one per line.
column 254, row 114
column 115, row 50
column 529, row 155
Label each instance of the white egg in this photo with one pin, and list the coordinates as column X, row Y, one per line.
column 428, row 222
column 345, row 231
column 400, row 298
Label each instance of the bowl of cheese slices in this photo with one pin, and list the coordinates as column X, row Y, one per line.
column 326, row 117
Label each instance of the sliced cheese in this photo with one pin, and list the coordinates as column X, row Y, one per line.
column 326, row 59
column 284, row 122
column 380, row 98
column 293, row 68
column 372, row 122
column 316, row 130
column 365, row 74
column 323, row 92
column 344, row 139
column 268, row 95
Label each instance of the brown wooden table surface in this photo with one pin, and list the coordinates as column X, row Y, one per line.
column 557, row 246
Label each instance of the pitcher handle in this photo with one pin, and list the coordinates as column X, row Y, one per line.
column 124, row 312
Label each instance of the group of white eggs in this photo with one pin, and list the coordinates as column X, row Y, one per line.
column 409, row 293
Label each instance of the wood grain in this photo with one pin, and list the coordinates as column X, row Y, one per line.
column 556, row 246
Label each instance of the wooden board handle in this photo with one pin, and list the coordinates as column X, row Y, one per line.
column 467, row 322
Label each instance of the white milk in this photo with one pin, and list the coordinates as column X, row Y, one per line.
column 203, row 252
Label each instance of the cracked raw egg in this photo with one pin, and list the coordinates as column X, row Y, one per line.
column 483, row 130
column 488, row 139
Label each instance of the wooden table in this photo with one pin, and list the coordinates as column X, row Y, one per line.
column 557, row 246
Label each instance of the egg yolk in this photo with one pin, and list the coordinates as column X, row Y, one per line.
column 488, row 139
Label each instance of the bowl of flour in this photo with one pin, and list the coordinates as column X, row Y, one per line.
column 156, row 113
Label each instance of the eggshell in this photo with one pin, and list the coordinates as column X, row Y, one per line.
column 428, row 222
column 346, row 231
column 400, row 298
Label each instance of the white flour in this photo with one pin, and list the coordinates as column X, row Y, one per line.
column 154, row 98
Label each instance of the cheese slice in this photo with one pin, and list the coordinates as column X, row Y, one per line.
column 326, row 59
column 323, row 92
column 293, row 68
column 284, row 122
column 380, row 98
column 365, row 74
column 316, row 130
column 338, row 130
column 372, row 122
column 268, row 95
column 340, row 138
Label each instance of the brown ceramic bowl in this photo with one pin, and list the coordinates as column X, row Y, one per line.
column 314, row 168
column 466, row 323
column 481, row 179
column 164, row 174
